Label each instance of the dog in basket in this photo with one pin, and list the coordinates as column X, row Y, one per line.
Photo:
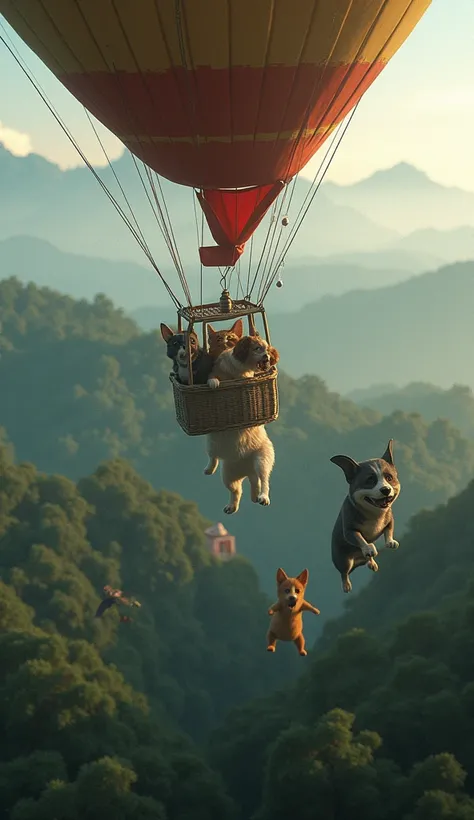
column 220, row 340
column 244, row 452
column 201, row 361
column 248, row 356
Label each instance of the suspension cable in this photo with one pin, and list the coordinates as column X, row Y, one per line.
column 304, row 209
column 137, row 234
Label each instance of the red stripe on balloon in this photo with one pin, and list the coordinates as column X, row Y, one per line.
column 218, row 103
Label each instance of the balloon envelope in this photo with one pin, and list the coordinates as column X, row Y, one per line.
column 217, row 94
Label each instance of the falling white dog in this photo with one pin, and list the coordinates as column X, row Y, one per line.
column 245, row 453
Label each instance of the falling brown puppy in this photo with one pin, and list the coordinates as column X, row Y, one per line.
column 287, row 613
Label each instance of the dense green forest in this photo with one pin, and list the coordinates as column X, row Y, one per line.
column 195, row 650
column 95, row 716
column 93, row 712
column 430, row 401
column 182, row 714
column 381, row 723
column 80, row 384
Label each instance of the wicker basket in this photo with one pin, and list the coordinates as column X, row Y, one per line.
column 234, row 404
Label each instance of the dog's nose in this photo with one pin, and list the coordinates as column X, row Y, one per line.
column 291, row 599
column 265, row 358
column 385, row 490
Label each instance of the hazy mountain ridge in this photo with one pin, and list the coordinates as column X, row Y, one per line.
column 102, row 391
column 403, row 328
column 132, row 286
column 417, row 330
column 68, row 209
column 58, row 229
column 432, row 402
column 406, row 199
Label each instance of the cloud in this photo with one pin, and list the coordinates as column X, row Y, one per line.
column 16, row 142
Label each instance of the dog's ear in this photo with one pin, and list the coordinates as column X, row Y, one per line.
column 388, row 455
column 303, row 577
column 166, row 332
column 274, row 355
column 281, row 575
column 347, row 465
column 242, row 349
column 237, row 328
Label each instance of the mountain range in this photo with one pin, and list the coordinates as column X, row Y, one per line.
column 132, row 285
column 356, row 293
column 406, row 199
column 363, row 225
column 417, row 330
column 68, row 209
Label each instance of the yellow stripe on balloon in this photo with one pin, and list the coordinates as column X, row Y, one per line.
column 73, row 36
column 306, row 133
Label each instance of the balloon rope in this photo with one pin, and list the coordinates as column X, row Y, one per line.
column 137, row 234
column 269, row 257
column 247, row 289
column 156, row 207
column 330, row 102
column 269, row 234
column 115, row 175
column 271, row 272
column 295, row 230
column 200, row 241
column 305, row 207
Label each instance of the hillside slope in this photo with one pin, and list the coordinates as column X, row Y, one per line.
column 417, row 330
column 101, row 390
column 398, row 663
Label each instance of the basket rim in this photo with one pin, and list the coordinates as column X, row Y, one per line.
column 228, row 384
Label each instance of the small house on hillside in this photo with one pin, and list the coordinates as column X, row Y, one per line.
column 220, row 543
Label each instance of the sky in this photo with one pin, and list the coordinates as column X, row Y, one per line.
column 420, row 110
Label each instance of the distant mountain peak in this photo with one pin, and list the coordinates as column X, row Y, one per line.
column 401, row 172
column 403, row 175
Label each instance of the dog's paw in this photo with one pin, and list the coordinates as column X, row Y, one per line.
column 371, row 564
column 347, row 586
column 271, row 612
column 370, row 551
column 264, row 500
column 392, row 544
column 270, row 648
column 303, row 653
column 213, row 383
column 210, row 469
column 229, row 509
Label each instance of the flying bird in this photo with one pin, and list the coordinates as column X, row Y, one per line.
column 113, row 597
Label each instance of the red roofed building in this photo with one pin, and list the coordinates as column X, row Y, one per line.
column 220, row 543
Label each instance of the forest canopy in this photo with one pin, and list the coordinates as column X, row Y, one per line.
column 102, row 392
column 181, row 714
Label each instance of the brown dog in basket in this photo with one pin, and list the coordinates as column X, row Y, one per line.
column 248, row 356
column 274, row 356
column 220, row 340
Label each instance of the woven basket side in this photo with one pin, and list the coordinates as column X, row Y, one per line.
column 242, row 403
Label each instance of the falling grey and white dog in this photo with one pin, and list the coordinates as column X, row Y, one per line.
column 366, row 513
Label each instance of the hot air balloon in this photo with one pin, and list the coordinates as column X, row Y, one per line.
column 229, row 98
